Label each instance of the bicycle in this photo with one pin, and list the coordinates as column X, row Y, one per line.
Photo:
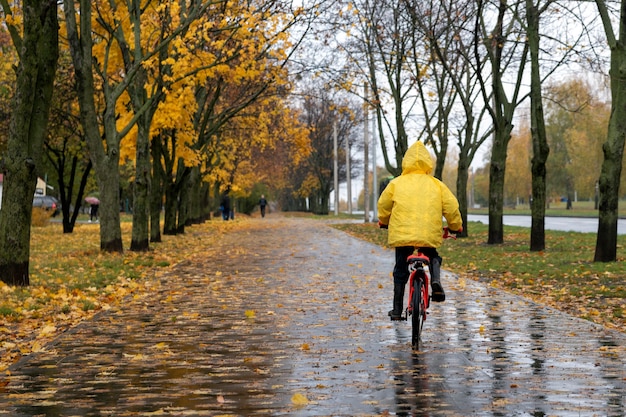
column 419, row 291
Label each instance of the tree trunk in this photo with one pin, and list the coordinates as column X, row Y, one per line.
column 67, row 192
column 141, row 190
column 606, row 240
column 38, row 53
column 171, row 180
column 497, row 171
column 183, row 204
column 156, row 190
column 541, row 149
column 194, row 197
column 205, row 202
column 170, row 220
column 538, row 205
column 108, row 174
column 325, row 203
column 461, row 190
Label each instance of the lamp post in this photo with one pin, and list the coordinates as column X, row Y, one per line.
column 366, row 139
column 336, row 168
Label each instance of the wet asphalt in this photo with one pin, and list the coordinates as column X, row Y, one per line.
column 288, row 317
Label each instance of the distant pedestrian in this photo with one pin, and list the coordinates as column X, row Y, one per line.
column 93, row 212
column 225, row 204
column 262, row 203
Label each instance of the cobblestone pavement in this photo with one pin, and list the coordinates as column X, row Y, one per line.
column 289, row 318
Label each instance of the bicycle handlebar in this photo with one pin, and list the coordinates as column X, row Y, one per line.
column 449, row 234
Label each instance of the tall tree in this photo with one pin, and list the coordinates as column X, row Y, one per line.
column 501, row 46
column 541, row 149
column 37, row 46
column 142, row 97
column 434, row 83
column 376, row 50
column 447, row 25
column 606, row 240
column 124, row 57
column 104, row 148
column 537, row 12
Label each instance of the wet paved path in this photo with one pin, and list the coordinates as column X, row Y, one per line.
column 289, row 318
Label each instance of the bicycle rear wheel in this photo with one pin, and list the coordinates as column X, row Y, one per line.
column 417, row 318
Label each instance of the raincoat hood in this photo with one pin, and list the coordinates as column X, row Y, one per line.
column 413, row 204
column 417, row 160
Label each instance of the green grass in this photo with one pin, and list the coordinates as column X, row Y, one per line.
column 6, row 311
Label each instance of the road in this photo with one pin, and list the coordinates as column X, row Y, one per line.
column 566, row 224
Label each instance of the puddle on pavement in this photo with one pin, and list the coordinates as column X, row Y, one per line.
column 502, row 356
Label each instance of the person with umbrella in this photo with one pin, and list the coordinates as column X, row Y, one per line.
column 93, row 209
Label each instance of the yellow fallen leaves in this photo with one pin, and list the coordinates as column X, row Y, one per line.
column 299, row 399
column 37, row 346
column 135, row 357
column 47, row 330
column 161, row 346
column 71, row 279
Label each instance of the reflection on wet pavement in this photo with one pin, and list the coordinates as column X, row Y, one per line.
column 289, row 318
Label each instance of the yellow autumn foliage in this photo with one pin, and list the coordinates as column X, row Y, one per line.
column 225, row 48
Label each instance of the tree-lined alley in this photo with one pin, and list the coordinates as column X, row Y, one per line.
column 175, row 104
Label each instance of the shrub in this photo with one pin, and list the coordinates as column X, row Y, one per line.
column 40, row 217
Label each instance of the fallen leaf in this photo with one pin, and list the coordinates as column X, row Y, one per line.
column 160, row 346
column 47, row 331
column 299, row 399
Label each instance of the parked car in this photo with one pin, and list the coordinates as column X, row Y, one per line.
column 47, row 202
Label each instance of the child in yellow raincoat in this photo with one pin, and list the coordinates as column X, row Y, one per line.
column 412, row 206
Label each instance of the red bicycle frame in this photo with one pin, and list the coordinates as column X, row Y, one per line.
column 423, row 261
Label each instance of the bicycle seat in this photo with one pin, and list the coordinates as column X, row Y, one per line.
column 418, row 258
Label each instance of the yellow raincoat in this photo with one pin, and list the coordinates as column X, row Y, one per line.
column 414, row 203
